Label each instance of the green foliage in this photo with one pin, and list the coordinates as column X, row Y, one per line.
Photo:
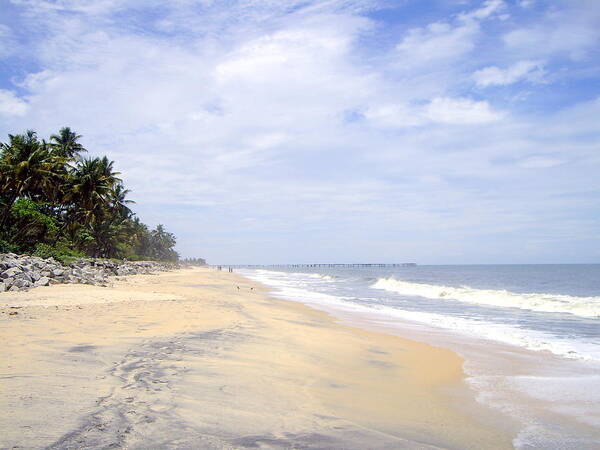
column 30, row 224
column 60, row 252
column 30, row 213
column 53, row 202
column 7, row 247
column 195, row 261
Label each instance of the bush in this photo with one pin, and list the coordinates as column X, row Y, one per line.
column 60, row 252
column 7, row 247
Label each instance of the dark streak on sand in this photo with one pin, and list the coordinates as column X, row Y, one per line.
column 140, row 412
column 82, row 348
column 139, row 409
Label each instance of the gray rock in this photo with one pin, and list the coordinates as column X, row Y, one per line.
column 22, row 272
column 43, row 281
column 10, row 272
column 3, row 287
column 24, row 276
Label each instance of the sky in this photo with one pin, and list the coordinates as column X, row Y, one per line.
column 301, row 131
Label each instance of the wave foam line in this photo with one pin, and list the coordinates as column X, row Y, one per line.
column 529, row 339
column 556, row 303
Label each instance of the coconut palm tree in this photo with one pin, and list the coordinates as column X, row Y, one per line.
column 120, row 202
column 28, row 169
column 92, row 184
column 51, row 196
column 66, row 144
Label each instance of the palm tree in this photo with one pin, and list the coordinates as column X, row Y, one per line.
column 120, row 202
column 27, row 169
column 162, row 243
column 92, row 184
column 65, row 143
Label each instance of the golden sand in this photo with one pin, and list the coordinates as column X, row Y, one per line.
column 185, row 359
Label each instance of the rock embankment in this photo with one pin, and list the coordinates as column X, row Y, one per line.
column 22, row 272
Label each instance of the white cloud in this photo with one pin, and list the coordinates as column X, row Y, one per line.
column 443, row 110
column 445, row 41
column 460, row 111
column 394, row 116
column 571, row 30
column 11, row 105
column 539, row 162
column 522, row 70
column 437, row 42
column 489, row 8
column 7, row 42
column 238, row 112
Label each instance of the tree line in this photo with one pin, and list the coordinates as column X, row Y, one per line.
column 194, row 261
column 54, row 201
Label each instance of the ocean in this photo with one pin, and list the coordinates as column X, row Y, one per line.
column 530, row 334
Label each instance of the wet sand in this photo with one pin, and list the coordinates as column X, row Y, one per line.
column 185, row 359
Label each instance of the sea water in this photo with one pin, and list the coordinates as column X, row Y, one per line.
column 530, row 334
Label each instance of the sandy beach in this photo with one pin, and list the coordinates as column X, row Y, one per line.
column 198, row 358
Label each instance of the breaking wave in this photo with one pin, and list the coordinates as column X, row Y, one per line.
column 556, row 303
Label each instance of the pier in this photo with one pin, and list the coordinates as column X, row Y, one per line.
column 337, row 265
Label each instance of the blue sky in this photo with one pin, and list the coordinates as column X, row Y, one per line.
column 279, row 131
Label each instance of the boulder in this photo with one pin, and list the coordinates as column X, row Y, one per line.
column 21, row 285
column 43, row 281
column 23, row 272
column 24, row 276
column 9, row 273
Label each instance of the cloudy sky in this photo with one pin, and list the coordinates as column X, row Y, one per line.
column 268, row 131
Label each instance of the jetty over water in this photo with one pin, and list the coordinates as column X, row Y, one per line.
column 355, row 265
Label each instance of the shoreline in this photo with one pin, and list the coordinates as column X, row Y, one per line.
column 185, row 358
column 550, row 398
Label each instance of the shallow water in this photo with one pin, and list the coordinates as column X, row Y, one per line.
column 530, row 334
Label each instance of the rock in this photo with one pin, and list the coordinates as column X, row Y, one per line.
column 23, row 272
column 10, row 272
column 73, row 279
column 22, row 283
column 43, row 281
column 24, row 276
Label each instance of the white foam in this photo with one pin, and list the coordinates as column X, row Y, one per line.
column 578, row 306
column 289, row 288
column 545, row 394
